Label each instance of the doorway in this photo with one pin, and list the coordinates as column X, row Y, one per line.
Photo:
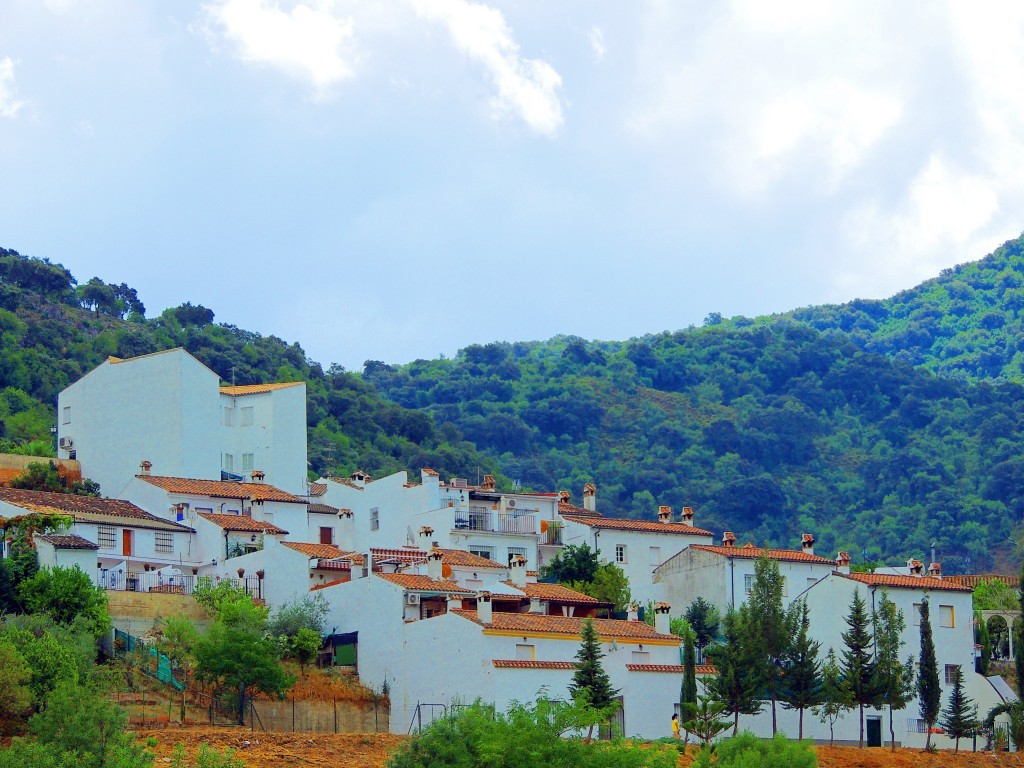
column 874, row 725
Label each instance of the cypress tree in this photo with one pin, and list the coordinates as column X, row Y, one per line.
column 801, row 670
column 769, row 631
column 590, row 683
column 958, row 717
column 737, row 681
column 985, row 641
column 858, row 659
column 895, row 679
column 688, row 690
column 1018, row 646
column 928, row 690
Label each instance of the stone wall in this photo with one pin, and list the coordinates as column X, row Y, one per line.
column 137, row 612
column 318, row 717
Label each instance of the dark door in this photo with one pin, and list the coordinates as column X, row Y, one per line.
column 326, row 535
column 874, row 731
column 126, row 544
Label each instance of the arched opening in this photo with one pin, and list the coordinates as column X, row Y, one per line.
column 999, row 635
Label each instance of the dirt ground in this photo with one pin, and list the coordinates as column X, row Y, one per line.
column 316, row 750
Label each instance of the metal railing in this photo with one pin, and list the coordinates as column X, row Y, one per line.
column 152, row 581
column 501, row 522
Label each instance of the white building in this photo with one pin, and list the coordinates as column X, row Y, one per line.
column 638, row 547
column 169, row 409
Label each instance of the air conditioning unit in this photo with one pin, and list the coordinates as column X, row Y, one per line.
column 508, row 505
column 67, row 443
column 412, row 598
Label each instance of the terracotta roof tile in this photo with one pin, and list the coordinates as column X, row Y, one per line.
column 753, row 552
column 565, row 508
column 639, row 526
column 317, row 489
column 419, row 583
column 322, row 509
column 972, row 580
column 242, row 523
column 258, row 389
column 528, row 623
column 346, row 481
column 905, row 582
column 67, row 541
column 459, row 558
column 327, row 584
column 524, row 664
column 88, row 509
column 314, row 550
column 555, row 592
column 221, row 489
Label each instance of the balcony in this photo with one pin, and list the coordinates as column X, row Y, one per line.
column 497, row 522
column 151, row 581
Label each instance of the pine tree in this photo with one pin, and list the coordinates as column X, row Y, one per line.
column 737, row 682
column 704, row 620
column 835, row 694
column 985, row 641
column 858, row 660
column 928, row 690
column 688, row 690
column 590, row 683
column 895, row 679
column 958, row 718
column 801, row 670
column 769, row 630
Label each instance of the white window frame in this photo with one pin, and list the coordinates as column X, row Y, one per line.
column 374, row 518
column 66, row 415
column 248, row 460
column 227, row 462
column 621, row 555
column 655, row 555
column 526, row 652
column 949, row 671
column 163, row 541
column 228, row 417
column 248, row 416
column 944, row 611
column 748, row 583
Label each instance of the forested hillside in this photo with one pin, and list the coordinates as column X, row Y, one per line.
column 52, row 331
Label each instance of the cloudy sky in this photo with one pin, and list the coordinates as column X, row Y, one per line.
column 394, row 179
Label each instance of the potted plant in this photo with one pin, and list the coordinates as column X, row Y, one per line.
column 241, row 572
column 260, row 574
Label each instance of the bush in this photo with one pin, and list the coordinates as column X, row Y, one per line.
column 748, row 751
column 524, row 737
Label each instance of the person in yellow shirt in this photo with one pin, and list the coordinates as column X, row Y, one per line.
column 675, row 726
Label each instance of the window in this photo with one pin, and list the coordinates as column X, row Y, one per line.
column 526, row 651
column 748, row 583
column 229, row 417
column 227, row 461
column 326, row 535
column 204, row 510
column 374, row 519
column 620, row 553
column 67, row 415
column 917, row 614
column 163, row 542
column 106, row 536
column 247, row 462
column 481, row 551
column 946, row 616
column 951, row 670
column 916, row 725
column 247, row 416
column 655, row 555
column 513, row 551
column 641, row 657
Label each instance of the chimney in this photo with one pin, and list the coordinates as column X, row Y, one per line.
column 517, row 570
column 915, row 567
column 728, row 539
column 686, row 516
column 360, row 478
column 662, row 622
column 488, row 484
column 258, row 475
column 434, row 564
column 935, row 570
column 483, row 607
column 564, row 497
column 807, row 543
column 664, row 514
column 590, row 497
column 424, row 538
column 428, row 475
column 633, row 612
column 843, row 562
column 145, row 466
column 454, row 603
column 536, row 606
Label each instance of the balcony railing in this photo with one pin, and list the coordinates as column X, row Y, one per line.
column 497, row 522
column 151, row 581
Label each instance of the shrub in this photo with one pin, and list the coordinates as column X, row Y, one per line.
column 748, row 751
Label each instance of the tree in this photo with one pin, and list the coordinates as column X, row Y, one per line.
column 959, row 719
column 769, row 632
column 609, row 585
column 688, row 689
column 985, row 641
column 858, row 660
column 801, row 670
column 47, row 476
column 928, row 690
column 590, row 683
column 305, row 646
column 704, row 619
column 737, row 682
column 705, row 721
column 15, row 675
column 995, row 595
column 895, row 679
column 574, row 563
column 835, row 694
column 65, row 594
column 307, row 612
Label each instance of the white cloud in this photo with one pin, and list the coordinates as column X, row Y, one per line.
column 526, row 88
column 311, row 42
column 9, row 104
column 597, row 43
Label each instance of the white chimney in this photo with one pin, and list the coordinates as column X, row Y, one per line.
column 662, row 622
column 633, row 612
column 590, row 497
column 686, row 516
column 454, row 603
column 843, row 562
column 517, row 570
column 483, row 607
column 664, row 514
column 935, row 570
column 807, row 543
column 536, row 605
column 145, row 466
column 435, row 565
column 425, row 535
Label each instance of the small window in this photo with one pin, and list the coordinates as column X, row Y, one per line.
column 655, row 556
column 525, row 652
column 247, row 462
column 748, row 583
column 163, row 542
column 247, row 416
column 946, row 616
column 641, row 657
column 229, row 417
column 917, row 614
column 482, row 551
column 227, row 461
column 374, row 519
column 326, row 535
column 951, row 670
column 916, row 725
column 620, row 553
column 204, row 510
column 67, row 415
column 106, row 536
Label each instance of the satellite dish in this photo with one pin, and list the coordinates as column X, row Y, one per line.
column 446, row 571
